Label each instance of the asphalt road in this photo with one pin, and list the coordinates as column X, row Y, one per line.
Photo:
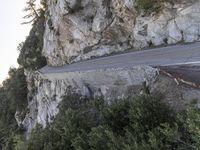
column 164, row 56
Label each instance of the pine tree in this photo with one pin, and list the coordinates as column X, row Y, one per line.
column 33, row 10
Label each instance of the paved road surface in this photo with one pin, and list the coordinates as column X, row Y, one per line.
column 165, row 56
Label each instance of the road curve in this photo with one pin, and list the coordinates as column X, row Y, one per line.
column 164, row 56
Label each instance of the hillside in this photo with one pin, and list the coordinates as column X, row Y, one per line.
column 67, row 94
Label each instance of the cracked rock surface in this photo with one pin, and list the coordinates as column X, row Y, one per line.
column 82, row 29
column 108, row 83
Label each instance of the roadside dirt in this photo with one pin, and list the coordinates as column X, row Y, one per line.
column 187, row 74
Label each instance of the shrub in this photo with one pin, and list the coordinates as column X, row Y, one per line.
column 13, row 92
column 152, row 6
column 13, row 96
column 19, row 143
column 148, row 6
column 16, row 88
column 30, row 56
column 138, row 123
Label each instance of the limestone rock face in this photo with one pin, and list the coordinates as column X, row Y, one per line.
column 109, row 83
column 81, row 29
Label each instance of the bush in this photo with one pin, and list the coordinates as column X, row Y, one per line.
column 138, row 123
column 13, row 96
column 152, row 6
column 149, row 6
column 16, row 88
column 13, row 92
column 30, row 56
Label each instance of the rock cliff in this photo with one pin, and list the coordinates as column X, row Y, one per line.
column 109, row 83
column 82, row 29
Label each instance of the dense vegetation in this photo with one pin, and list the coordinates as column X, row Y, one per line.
column 13, row 91
column 13, row 95
column 30, row 56
column 30, row 51
column 141, row 123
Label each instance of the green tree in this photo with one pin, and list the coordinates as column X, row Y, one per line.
column 16, row 88
column 30, row 56
column 13, row 97
column 140, row 123
column 34, row 11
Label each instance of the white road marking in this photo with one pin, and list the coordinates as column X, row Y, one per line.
column 183, row 63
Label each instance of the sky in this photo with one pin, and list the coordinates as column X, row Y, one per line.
column 11, row 33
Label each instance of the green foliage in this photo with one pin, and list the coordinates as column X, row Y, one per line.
column 30, row 56
column 141, row 123
column 13, row 91
column 152, row 6
column 116, row 115
column 19, row 143
column 38, row 136
column 191, row 124
column 33, row 11
column 144, row 110
column 13, row 95
column 102, row 137
column 16, row 88
column 149, row 6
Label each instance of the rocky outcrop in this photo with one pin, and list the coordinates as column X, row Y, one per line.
column 82, row 29
column 109, row 83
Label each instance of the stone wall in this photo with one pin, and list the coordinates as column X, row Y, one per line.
column 82, row 29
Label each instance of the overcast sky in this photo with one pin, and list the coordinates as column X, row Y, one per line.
column 11, row 33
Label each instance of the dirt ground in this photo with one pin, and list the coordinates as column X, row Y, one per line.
column 188, row 74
